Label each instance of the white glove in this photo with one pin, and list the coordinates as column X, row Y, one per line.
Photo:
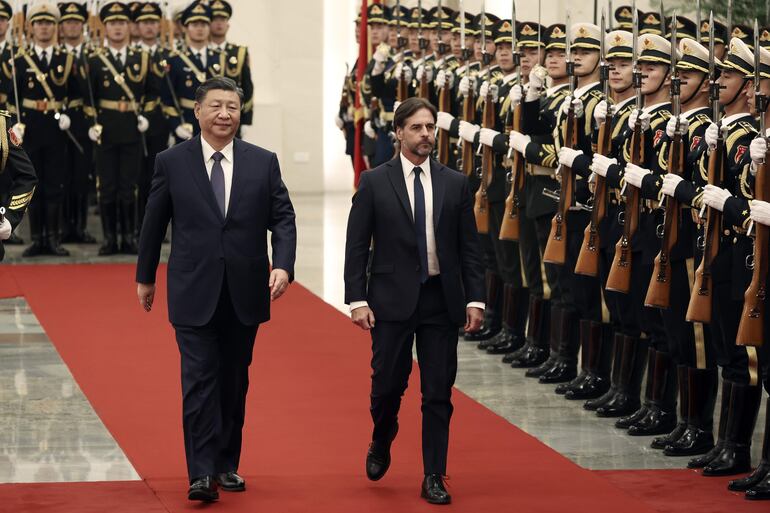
column 466, row 84
column 468, row 131
column 600, row 112
column 5, row 229
column 444, row 120
column 382, row 53
column 426, row 71
column 758, row 150
column 601, row 164
column 635, row 174
column 491, row 89
column 644, row 119
column 715, row 197
column 18, row 132
column 445, row 79
column 64, row 122
column 183, row 132
column 567, row 156
column 577, row 104
column 400, row 70
column 369, row 130
column 487, row 136
column 536, row 83
column 142, row 124
column 95, row 133
column 396, row 104
column 712, row 133
column 515, row 96
column 760, row 212
column 518, row 141
column 684, row 124
column 670, row 183
column 339, row 122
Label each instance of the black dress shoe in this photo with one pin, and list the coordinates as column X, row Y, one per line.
column 203, row 489
column 231, row 482
column 433, row 490
column 35, row 249
column 378, row 457
column 759, row 475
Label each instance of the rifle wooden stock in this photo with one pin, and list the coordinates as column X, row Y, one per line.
column 509, row 230
column 556, row 247
column 481, row 205
column 402, row 89
column 588, row 259
column 619, row 278
column 659, row 290
column 422, row 90
column 699, row 308
column 751, row 327
column 467, row 148
column 443, row 135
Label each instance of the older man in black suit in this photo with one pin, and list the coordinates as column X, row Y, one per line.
column 425, row 279
column 221, row 195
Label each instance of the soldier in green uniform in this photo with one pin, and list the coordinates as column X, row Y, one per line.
column 121, row 82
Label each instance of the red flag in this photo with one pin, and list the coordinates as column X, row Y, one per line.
column 363, row 57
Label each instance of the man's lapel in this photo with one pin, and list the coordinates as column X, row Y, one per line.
column 239, row 176
column 437, row 179
column 396, row 175
column 199, row 174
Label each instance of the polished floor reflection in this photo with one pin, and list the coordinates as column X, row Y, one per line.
column 48, row 430
column 577, row 434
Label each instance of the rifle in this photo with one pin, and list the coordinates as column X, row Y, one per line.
column 402, row 88
column 17, row 41
column 699, row 308
column 95, row 25
column 166, row 27
column 466, row 163
column 509, row 230
column 659, row 290
column 556, row 247
column 751, row 327
column 481, row 204
column 619, row 278
column 422, row 91
column 588, row 259
column 444, row 99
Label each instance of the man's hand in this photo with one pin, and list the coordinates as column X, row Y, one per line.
column 363, row 317
column 473, row 319
column 146, row 293
column 279, row 282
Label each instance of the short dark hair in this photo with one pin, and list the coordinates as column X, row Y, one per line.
column 218, row 83
column 409, row 107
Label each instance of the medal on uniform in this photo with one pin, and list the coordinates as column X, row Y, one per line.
column 59, row 69
column 215, row 66
column 233, row 59
column 106, row 83
column 188, row 83
column 136, row 66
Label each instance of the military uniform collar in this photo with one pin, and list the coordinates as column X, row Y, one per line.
column 625, row 102
column 729, row 120
column 650, row 108
column 580, row 91
column 690, row 113
column 221, row 47
column 39, row 49
column 147, row 48
column 555, row 89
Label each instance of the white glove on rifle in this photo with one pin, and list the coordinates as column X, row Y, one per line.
column 712, row 133
column 489, row 89
column 601, row 164
column 183, row 132
column 536, row 83
column 426, row 71
column 402, row 69
column 758, row 151
column 600, row 112
column 715, row 197
column 142, row 124
column 670, row 183
column 18, row 132
column 487, row 136
column 444, row 120
column 684, row 124
column 445, row 79
column 466, row 84
column 515, row 95
column 64, row 122
column 95, row 133
column 468, row 131
column 635, row 174
column 760, row 212
column 518, row 141
column 577, row 105
column 644, row 119
column 567, row 156
column 5, row 229
column 369, row 130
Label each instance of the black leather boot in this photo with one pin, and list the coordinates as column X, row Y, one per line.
column 617, row 354
column 735, row 456
column 81, row 220
column 554, row 333
column 596, row 360
column 585, row 328
column 52, row 219
column 533, row 313
column 724, row 410
column 564, row 368
column 641, row 410
column 493, row 311
column 661, row 410
column 632, row 363
column 682, row 385
column 128, row 228
column 535, row 350
column 109, row 215
column 513, row 299
column 757, row 480
column 35, row 216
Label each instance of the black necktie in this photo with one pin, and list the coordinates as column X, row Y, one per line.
column 218, row 181
column 44, row 59
column 419, row 225
column 119, row 58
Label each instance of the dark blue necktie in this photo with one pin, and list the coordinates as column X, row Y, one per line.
column 419, row 225
column 218, row 181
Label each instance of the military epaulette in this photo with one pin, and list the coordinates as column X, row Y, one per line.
column 659, row 117
column 596, row 94
column 5, row 113
column 702, row 119
column 748, row 127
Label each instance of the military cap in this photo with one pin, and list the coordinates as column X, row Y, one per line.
column 197, row 11
column 150, row 11
column 685, row 28
column 399, row 16
column 45, row 11
column 739, row 58
column 585, row 35
column 133, row 6
column 418, row 16
column 114, row 11
column 501, row 32
column 446, row 17
column 649, row 23
column 618, row 44
column 468, row 23
column 764, row 62
column 6, row 11
column 556, row 37
column 529, row 34
column 376, row 13
column 764, row 37
column 654, row 48
column 73, row 11
column 720, row 32
column 624, row 16
column 221, row 9
column 491, row 19
column 694, row 56
column 744, row 33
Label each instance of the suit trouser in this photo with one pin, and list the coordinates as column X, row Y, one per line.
column 436, row 337
column 215, row 361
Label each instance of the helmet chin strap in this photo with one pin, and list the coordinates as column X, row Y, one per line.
column 735, row 97
column 695, row 91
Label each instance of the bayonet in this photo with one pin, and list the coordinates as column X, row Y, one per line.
column 729, row 22
column 760, row 100
column 569, row 62
column 466, row 57
column 662, row 19
column 440, row 47
column 422, row 41
column 611, row 15
column 697, row 21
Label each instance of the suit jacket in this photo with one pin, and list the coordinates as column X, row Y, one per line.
column 207, row 248
column 381, row 212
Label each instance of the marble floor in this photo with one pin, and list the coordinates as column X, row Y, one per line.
column 577, row 434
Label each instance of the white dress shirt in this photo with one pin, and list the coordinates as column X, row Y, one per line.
column 120, row 54
column 427, row 185
column 44, row 53
column 74, row 50
column 201, row 53
column 220, row 47
column 147, row 48
column 227, row 165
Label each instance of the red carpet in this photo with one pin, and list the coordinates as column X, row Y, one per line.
column 308, row 423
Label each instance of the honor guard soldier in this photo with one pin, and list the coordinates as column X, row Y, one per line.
column 189, row 68
column 6, row 74
column 148, row 19
column 79, row 163
column 345, row 116
column 133, row 29
column 17, row 182
column 45, row 80
column 236, row 56
column 720, row 37
column 121, row 81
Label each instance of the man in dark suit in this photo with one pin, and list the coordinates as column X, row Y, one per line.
column 221, row 195
column 425, row 279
